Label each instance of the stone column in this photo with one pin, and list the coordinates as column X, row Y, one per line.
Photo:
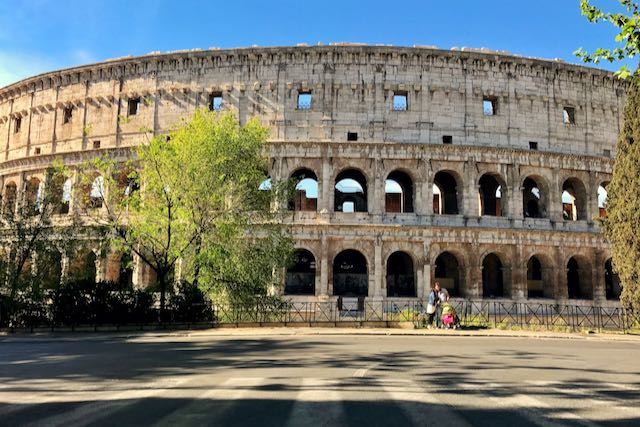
column 519, row 282
column 375, row 193
column 378, row 269
column 597, row 281
column 112, row 273
column 323, row 292
column 554, row 209
column 64, row 265
column 325, row 187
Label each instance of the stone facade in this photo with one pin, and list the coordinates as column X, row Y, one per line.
column 482, row 145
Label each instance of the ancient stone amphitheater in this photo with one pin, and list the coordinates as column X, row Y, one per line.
column 481, row 170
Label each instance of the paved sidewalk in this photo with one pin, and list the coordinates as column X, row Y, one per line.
column 322, row 331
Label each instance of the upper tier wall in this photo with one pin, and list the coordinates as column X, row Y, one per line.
column 352, row 90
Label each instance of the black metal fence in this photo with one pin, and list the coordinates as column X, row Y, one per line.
column 390, row 313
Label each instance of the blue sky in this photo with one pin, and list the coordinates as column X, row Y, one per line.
column 43, row 35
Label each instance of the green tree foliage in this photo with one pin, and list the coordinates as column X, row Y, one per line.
column 29, row 235
column 628, row 34
column 623, row 202
column 622, row 223
column 199, row 206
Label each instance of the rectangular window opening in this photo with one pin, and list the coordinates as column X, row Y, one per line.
column 37, row 150
column 489, row 106
column 17, row 125
column 304, row 100
column 447, row 139
column 352, row 136
column 133, row 105
column 606, row 152
column 67, row 114
column 400, row 101
column 533, row 145
column 215, row 101
column 96, row 145
column 569, row 115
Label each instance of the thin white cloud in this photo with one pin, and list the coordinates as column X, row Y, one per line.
column 15, row 67
column 81, row 56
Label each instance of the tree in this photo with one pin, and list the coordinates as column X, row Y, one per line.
column 29, row 234
column 623, row 202
column 628, row 35
column 199, row 192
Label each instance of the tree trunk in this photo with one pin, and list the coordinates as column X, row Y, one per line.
column 162, row 281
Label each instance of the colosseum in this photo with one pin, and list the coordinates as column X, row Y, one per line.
column 482, row 170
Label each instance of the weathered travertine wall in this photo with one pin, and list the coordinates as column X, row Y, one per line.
column 352, row 90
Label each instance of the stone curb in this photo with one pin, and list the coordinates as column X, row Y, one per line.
column 266, row 332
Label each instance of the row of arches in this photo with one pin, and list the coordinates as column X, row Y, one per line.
column 92, row 193
column 52, row 267
column 350, row 194
column 351, row 278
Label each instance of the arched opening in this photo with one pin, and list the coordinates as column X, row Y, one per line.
column 492, row 277
column 398, row 193
column 33, row 194
column 447, row 273
column 96, row 192
column 264, row 195
column 125, row 273
column 445, row 194
column 579, row 278
column 127, row 180
column 50, row 268
column 60, row 193
column 83, row 267
column 611, row 281
column 602, row 200
column 10, row 194
column 400, row 275
column 350, row 276
column 350, row 192
column 490, row 195
column 305, row 197
column 535, row 278
column 574, row 199
column 534, row 198
column 301, row 275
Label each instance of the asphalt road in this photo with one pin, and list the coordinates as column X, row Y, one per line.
column 318, row 380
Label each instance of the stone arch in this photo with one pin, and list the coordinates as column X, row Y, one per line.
column 602, row 195
column 579, row 284
column 33, row 193
column 574, row 200
column 611, row 281
column 350, row 274
column 401, row 275
column 10, row 196
column 495, row 283
column 492, row 195
column 300, row 278
column 305, row 196
column 350, row 191
column 535, row 197
column 93, row 192
column 60, row 187
column 125, row 269
column 448, row 271
column 447, row 193
column 50, row 267
column 127, row 180
column 84, row 267
column 539, row 277
column 399, row 192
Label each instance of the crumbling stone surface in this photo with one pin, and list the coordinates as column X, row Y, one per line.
column 76, row 114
